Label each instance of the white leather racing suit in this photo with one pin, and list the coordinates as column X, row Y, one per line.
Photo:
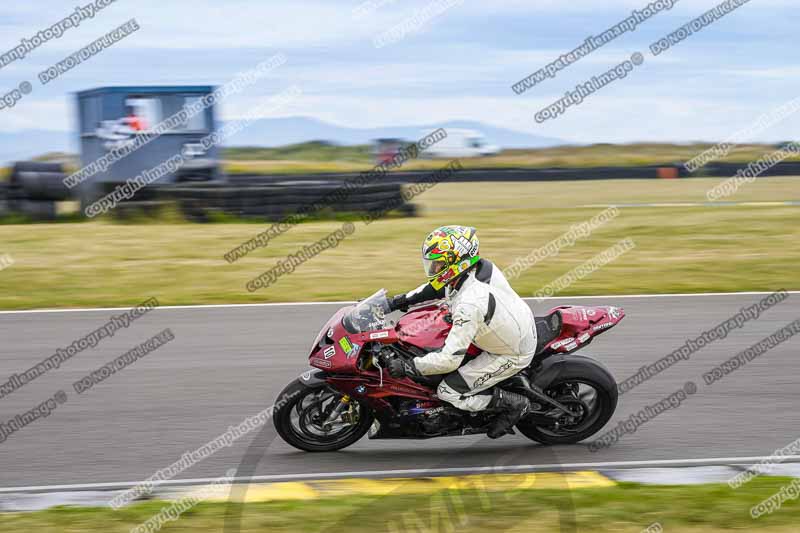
column 488, row 313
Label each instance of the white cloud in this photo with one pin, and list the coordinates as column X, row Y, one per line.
column 782, row 73
column 241, row 24
column 427, row 78
column 54, row 114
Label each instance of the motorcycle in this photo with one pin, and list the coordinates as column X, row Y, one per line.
column 348, row 393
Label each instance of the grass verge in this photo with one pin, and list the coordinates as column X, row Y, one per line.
column 626, row 507
column 677, row 249
column 317, row 156
column 322, row 157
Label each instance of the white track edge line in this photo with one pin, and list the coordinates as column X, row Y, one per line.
column 422, row 472
column 345, row 302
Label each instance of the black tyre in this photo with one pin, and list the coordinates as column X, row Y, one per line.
column 301, row 412
column 35, row 209
column 596, row 400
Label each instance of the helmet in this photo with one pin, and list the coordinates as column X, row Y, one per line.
column 448, row 252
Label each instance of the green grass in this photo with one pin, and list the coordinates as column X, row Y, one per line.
column 624, row 508
column 308, row 151
column 319, row 156
column 678, row 249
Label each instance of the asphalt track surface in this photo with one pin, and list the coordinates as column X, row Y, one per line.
column 230, row 362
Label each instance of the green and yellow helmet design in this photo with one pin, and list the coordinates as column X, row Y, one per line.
column 448, row 252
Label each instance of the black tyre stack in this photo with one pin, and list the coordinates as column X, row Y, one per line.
column 34, row 188
column 277, row 200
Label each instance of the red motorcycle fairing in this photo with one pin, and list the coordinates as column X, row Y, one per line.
column 336, row 350
column 427, row 329
column 347, row 390
column 580, row 324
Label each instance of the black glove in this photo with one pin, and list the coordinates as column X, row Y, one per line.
column 398, row 303
column 400, row 368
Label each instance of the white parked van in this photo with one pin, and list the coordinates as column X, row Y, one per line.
column 460, row 143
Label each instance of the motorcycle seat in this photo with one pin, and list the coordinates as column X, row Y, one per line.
column 548, row 327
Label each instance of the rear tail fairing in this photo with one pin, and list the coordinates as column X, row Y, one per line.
column 580, row 324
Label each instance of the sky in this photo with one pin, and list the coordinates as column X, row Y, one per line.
column 458, row 64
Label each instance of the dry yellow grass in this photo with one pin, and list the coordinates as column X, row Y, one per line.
column 678, row 249
column 560, row 156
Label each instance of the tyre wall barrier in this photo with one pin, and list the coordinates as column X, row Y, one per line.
column 274, row 201
column 469, row 175
column 34, row 209
column 669, row 170
column 33, row 190
column 39, row 181
column 3, row 198
column 786, row 168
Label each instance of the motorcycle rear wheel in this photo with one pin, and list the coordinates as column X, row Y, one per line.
column 299, row 414
column 568, row 391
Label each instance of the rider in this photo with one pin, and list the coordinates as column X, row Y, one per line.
column 485, row 312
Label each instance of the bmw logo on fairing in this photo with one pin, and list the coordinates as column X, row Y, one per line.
column 361, row 389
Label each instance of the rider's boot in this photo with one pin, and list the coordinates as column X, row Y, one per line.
column 512, row 407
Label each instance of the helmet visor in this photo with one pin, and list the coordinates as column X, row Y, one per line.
column 433, row 266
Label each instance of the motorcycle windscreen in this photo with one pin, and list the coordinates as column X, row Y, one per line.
column 368, row 315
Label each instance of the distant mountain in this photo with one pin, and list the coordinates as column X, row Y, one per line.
column 271, row 132
column 292, row 130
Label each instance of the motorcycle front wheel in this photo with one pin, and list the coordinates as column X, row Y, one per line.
column 319, row 419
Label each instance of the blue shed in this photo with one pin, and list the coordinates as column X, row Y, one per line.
column 111, row 117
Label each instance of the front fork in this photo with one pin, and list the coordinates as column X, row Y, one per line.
column 344, row 403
